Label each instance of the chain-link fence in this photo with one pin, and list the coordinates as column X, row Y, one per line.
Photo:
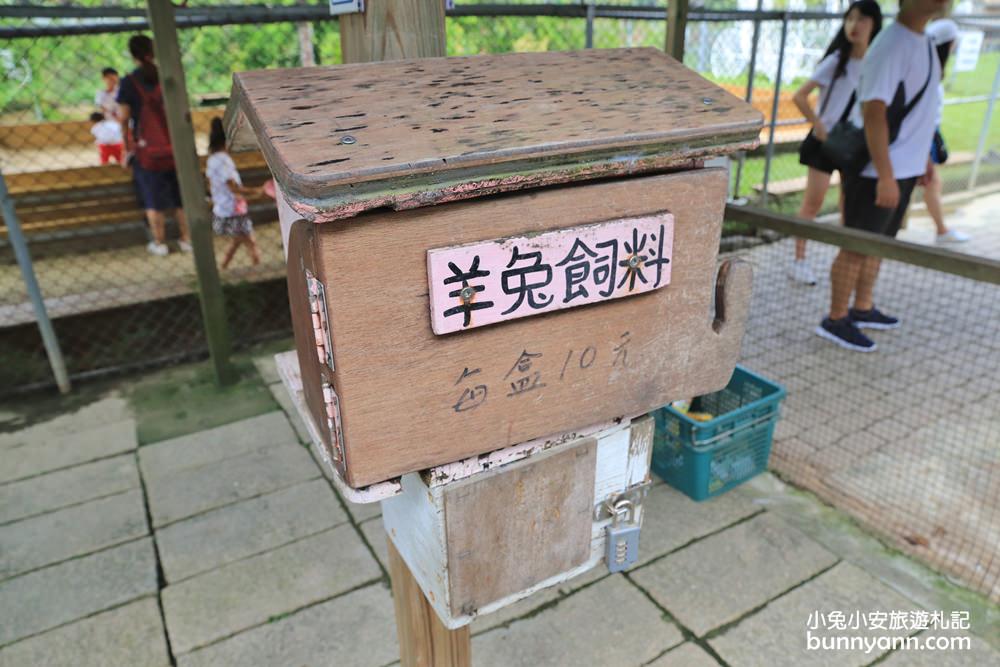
column 906, row 439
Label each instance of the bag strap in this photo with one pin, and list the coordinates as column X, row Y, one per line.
column 829, row 94
column 930, row 70
column 847, row 109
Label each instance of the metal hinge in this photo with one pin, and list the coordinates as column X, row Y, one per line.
column 332, row 405
column 320, row 319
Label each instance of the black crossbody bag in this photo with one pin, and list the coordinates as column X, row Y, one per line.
column 845, row 145
column 811, row 148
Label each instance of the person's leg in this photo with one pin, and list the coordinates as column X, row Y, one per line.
column 817, row 184
column 864, row 293
column 859, row 212
column 182, row 225
column 157, row 221
column 864, row 314
column 230, row 251
column 251, row 242
column 173, row 194
column 844, row 281
column 932, row 198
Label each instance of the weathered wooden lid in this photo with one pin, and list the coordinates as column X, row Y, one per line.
column 341, row 140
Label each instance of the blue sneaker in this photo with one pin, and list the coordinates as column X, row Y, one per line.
column 872, row 319
column 844, row 333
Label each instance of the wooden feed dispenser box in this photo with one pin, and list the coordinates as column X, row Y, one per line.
column 490, row 251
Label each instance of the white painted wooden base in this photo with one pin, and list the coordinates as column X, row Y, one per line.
column 418, row 524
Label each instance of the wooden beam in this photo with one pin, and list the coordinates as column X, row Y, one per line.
column 677, row 11
column 192, row 186
column 393, row 30
column 424, row 641
column 981, row 269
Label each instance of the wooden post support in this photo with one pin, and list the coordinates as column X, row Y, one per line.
column 423, row 640
column 393, row 30
column 677, row 11
column 192, row 186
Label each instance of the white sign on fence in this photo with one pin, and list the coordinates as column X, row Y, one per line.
column 970, row 43
column 346, row 7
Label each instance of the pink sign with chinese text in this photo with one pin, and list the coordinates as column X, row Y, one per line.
column 492, row 281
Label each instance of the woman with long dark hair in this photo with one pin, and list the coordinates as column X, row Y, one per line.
column 836, row 76
column 147, row 141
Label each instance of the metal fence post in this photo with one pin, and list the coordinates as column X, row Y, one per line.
column 774, row 105
column 192, row 185
column 49, row 339
column 981, row 146
column 751, row 73
column 591, row 11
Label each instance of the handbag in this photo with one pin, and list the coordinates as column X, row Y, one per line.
column 845, row 145
column 811, row 148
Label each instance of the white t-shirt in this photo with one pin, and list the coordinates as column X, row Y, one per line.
column 220, row 168
column 900, row 56
column 107, row 102
column 833, row 97
column 107, row 132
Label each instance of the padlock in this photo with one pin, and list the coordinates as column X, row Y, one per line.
column 622, row 536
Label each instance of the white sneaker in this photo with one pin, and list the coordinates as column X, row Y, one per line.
column 801, row 273
column 158, row 249
column 185, row 246
column 952, row 236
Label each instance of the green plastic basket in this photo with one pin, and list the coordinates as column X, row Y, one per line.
column 704, row 459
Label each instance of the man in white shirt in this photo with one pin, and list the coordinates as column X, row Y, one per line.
column 898, row 93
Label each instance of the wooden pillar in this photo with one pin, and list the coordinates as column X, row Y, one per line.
column 307, row 55
column 175, row 101
column 677, row 11
column 393, row 30
column 423, row 640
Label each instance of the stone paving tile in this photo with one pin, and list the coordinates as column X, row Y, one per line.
column 267, row 368
column 609, row 623
column 512, row 612
column 45, row 599
column 73, row 531
column 362, row 512
column 197, row 490
column 128, row 635
column 685, row 655
column 29, row 497
column 671, row 519
column 977, row 654
column 354, row 630
column 241, row 595
column 108, row 410
column 254, row 526
column 776, row 635
column 716, row 580
column 280, row 394
column 165, row 458
column 34, row 457
column 374, row 532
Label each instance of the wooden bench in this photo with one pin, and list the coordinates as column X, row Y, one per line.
column 88, row 197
